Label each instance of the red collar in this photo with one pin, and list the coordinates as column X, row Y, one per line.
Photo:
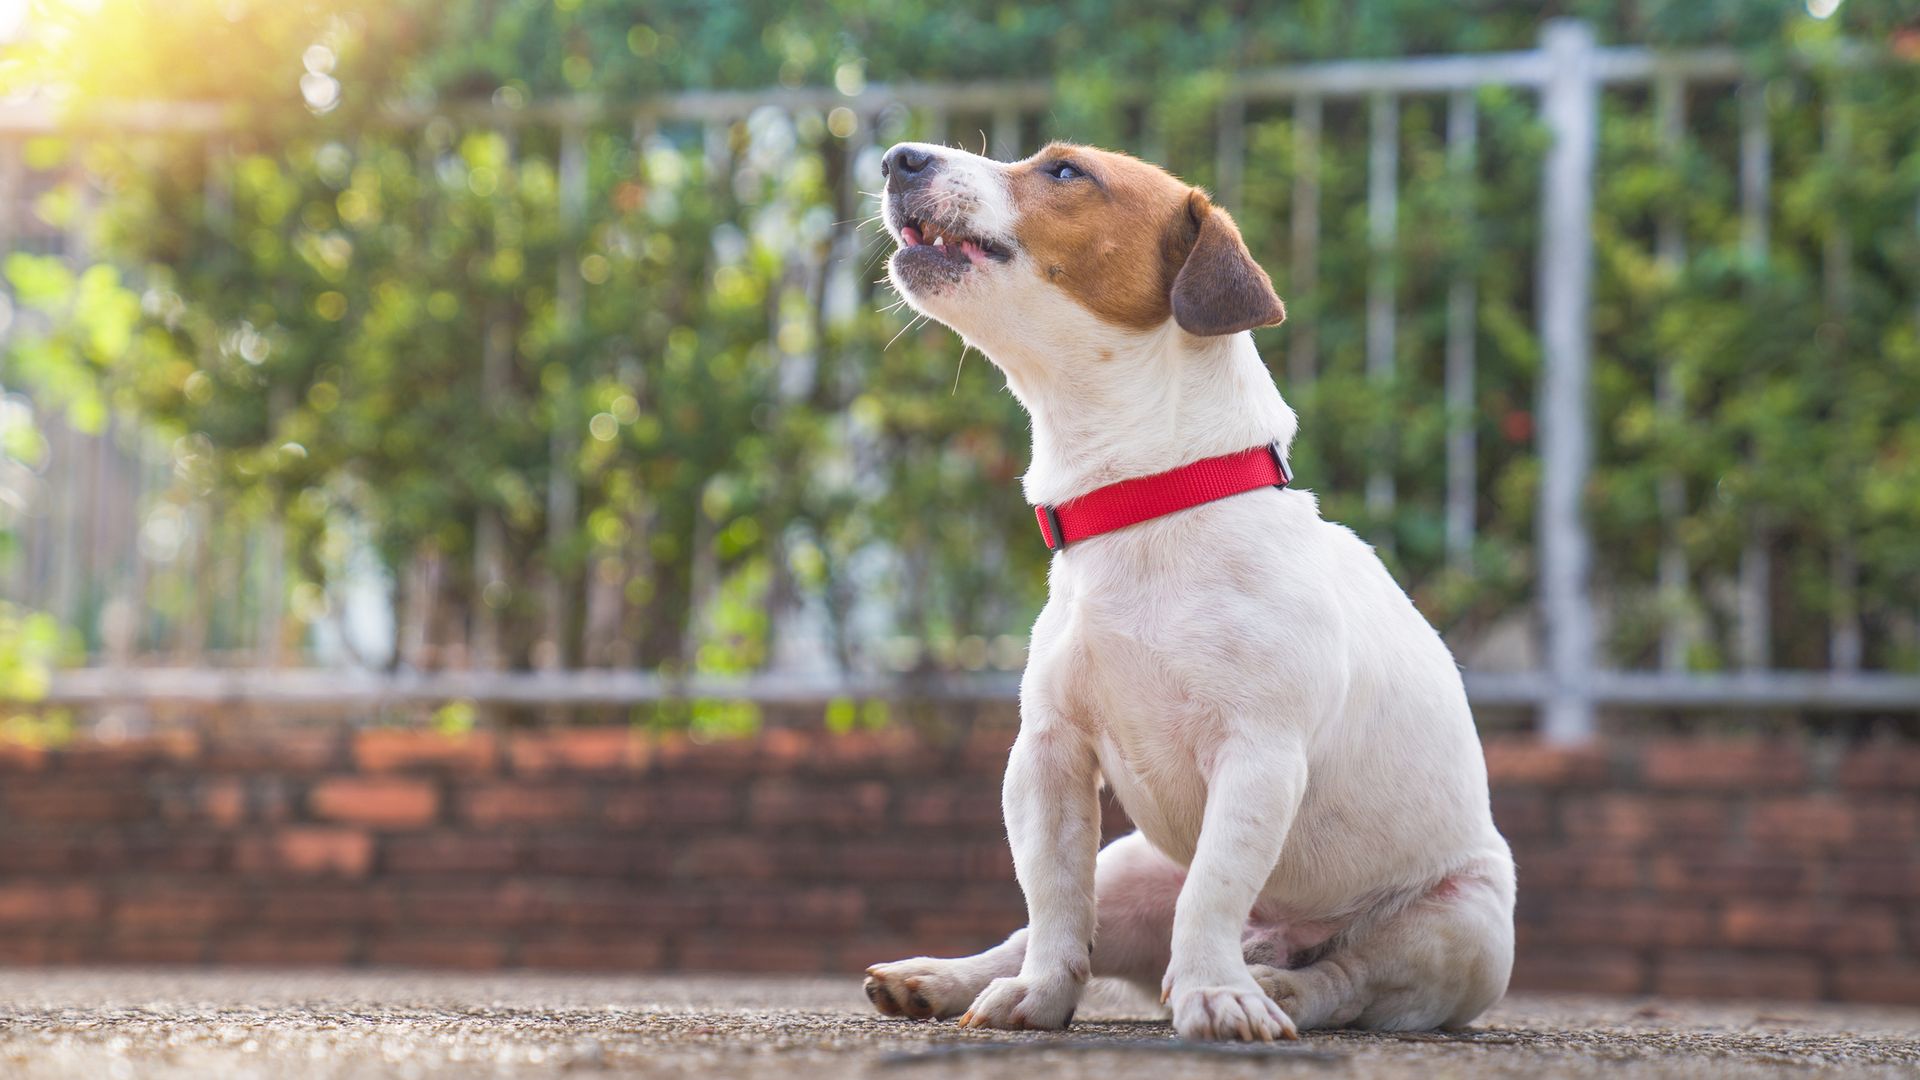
column 1144, row 498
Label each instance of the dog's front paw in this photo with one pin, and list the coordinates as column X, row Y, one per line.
column 1017, row 1003
column 1239, row 1010
column 923, row 988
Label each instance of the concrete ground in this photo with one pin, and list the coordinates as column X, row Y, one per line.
column 127, row 1024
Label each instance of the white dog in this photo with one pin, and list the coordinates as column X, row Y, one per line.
column 1315, row 847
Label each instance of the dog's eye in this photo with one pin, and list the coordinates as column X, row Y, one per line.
column 1064, row 170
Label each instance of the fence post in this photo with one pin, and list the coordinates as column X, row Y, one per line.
column 1569, row 105
column 1383, row 215
column 1303, row 269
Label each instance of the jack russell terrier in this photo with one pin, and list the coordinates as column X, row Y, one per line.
column 1292, row 739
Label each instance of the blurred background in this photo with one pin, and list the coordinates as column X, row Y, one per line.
column 460, row 473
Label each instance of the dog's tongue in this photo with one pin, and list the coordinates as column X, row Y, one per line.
column 973, row 251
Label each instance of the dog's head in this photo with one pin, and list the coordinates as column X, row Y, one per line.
column 1066, row 245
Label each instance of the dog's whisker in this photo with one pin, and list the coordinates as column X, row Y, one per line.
column 898, row 336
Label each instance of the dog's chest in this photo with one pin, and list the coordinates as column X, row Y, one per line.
column 1112, row 671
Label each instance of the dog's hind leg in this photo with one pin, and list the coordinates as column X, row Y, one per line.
column 1437, row 963
column 1135, row 888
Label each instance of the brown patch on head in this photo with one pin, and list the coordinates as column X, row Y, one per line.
column 1135, row 246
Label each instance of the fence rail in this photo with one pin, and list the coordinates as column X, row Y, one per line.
column 1568, row 71
column 1774, row 691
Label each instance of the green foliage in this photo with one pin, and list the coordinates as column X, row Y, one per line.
column 30, row 644
column 647, row 406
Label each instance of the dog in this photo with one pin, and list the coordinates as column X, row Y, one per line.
column 1290, row 737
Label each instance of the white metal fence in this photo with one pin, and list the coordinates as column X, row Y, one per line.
column 1568, row 71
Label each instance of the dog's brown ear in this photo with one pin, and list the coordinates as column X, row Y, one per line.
column 1220, row 289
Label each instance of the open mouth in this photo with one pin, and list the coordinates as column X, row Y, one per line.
column 940, row 241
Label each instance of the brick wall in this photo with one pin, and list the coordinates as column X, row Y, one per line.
column 1781, row 868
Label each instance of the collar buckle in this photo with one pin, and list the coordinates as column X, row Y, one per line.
column 1054, row 536
column 1280, row 462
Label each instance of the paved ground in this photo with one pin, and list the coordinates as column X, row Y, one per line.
column 126, row 1024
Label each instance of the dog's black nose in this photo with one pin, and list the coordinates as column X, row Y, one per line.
column 905, row 166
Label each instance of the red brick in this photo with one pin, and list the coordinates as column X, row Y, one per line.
column 1589, row 971
column 1876, row 879
column 512, row 803
column 659, row 911
column 452, row 853
column 727, row 857
column 887, row 858
column 281, row 752
column 946, row 805
column 48, row 902
column 1528, row 762
column 1627, row 922
column 452, row 906
column 44, row 948
column 321, row 849
column 102, row 755
column 155, row 946
column 326, row 902
column 1882, row 982
column 820, row 908
column 1634, row 820
column 775, row 952
column 37, row 851
column 397, row 749
column 177, row 908
column 1730, row 873
column 200, row 851
column 677, row 803
column 382, row 801
column 991, row 861
column 329, row 948
column 1549, row 869
column 1801, row 823
column 899, row 750
column 424, row 949
column 21, row 758
column 777, row 802
column 592, row 952
column 983, row 926
column 1886, row 824
column 1881, row 765
column 720, row 759
column 599, row 855
column 984, row 751
column 66, row 800
column 1701, row 764
column 1521, row 814
column 1799, row 926
column 587, row 749
column 1736, row 975
column 223, row 800
column 853, row 954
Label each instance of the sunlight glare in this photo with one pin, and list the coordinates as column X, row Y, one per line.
column 13, row 18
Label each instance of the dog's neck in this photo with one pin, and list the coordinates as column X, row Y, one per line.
column 1140, row 406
